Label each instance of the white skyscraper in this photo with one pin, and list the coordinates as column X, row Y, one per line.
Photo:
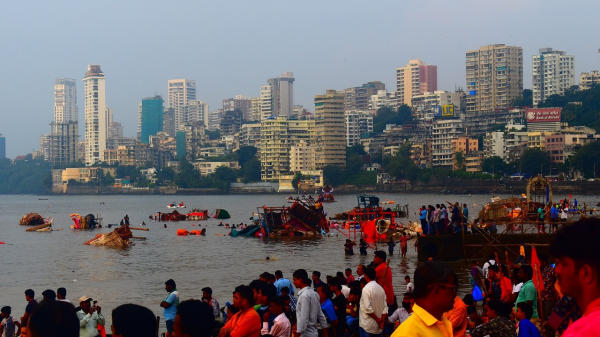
column 279, row 100
column 96, row 116
column 553, row 73
column 65, row 101
column 179, row 93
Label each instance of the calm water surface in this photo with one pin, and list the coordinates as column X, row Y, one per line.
column 137, row 274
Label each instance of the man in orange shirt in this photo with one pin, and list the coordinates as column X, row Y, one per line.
column 458, row 317
column 384, row 275
column 505, row 285
column 245, row 323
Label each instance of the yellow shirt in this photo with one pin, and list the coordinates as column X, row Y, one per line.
column 422, row 324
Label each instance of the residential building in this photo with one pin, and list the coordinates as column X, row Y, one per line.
column 494, row 144
column 274, row 147
column 424, row 105
column 194, row 111
column 206, row 167
column 96, row 115
column 179, row 93
column 330, row 129
column 194, row 139
column 239, row 102
column 413, row 79
column 301, row 130
column 494, row 77
column 214, row 120
column 2, row 146
column 169, row 121
column 60, row 146
column 553, row 73
column 277, row 98
column 250, row 135
column 357, row 98
column 357, row 124
column 514, row 142
column 465, row 146
column 420, row 154
column 65, row 101
column 473, row 161
column 302, row 157
column 255, row 115
column 586, row 80
column 442, row 134
column 555, row 145
column 230, row 122
column 150, row 118
column 383, row 98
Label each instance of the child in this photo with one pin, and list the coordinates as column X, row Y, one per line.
column 349, row 247
column 352, row 309
column 403, row 244
column 8, row 323
column 523, row 315
column 409, row 285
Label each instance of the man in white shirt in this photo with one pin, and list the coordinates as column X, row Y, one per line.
column 308, row 309
column 360, row 271
column 373, row 307
column 281, row 325
column 61, row 295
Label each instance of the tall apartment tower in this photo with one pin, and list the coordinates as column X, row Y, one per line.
column 494, row 77
column 150, row 118
column 416, row 78
column 330, row 129
column 277, row 98
column 65, row 101
column 553, row 73
column 96, row 115
column 357, row 98
column 179, row 93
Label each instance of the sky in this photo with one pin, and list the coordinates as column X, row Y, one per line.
column 231, row 47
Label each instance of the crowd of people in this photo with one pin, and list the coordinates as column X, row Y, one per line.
column 439, row 219
column 506, row 300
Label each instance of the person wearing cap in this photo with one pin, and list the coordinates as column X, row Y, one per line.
column 90, row 317
column 169, row 305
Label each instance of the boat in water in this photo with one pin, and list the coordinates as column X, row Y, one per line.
column 85, row 222
column 326, row 194
column 118, row 238
column 38, row 223
column 174, row 205
column 304, row 218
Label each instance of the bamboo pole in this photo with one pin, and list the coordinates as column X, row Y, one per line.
column 139, row 229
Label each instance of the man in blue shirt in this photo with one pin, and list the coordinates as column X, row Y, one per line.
column 282, row 282
column 423, row 218
column 169, row 305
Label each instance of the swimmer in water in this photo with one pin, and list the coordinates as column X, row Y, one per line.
column 165, row 225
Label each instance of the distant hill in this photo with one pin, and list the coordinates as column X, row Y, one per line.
column 580, row 107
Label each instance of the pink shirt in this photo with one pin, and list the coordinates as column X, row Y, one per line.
column 589, row 324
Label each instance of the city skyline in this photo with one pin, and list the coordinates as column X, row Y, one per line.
column 40, row 51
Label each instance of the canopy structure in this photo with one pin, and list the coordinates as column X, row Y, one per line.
column 221, row 214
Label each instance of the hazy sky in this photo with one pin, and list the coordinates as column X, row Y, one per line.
column 233, row 47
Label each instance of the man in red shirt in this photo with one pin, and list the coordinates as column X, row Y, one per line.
column 577, row 255
column 384, row 275
column 246, row 322
column 349, row 277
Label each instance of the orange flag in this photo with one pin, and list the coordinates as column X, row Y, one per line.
column 538, row 281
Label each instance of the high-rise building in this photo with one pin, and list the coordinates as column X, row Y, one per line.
column 494, row 77
column 256, row 109
column 330, row 129
column 60, row 146
column 357, row 98
column 413, row 79
column 277, row 98
column 553, row 73
column 169, row 121
column 179, row 93
column 194, row 111
column 357, row 124
column 65, row 100
column 214, row 120
column 231, row 122
column 586, row 80
column 2, row 147
column 239, row 102
column 150, row 118
column 96, row 123
column 274, row 148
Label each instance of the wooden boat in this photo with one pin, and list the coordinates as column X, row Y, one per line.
column 46, row 227
column 32, row 219
column 118, row 238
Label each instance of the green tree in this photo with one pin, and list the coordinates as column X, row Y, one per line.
column 165, row 174
column 459, row 160
column 333, row 175
column 251, row 170
column 245, row 153
column 586, row 159
column 534, row 161
column 223, row 177
column 524, row 100
column 386, row 115
column 495, row 165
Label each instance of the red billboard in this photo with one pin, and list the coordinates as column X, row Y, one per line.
column 543, row 115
